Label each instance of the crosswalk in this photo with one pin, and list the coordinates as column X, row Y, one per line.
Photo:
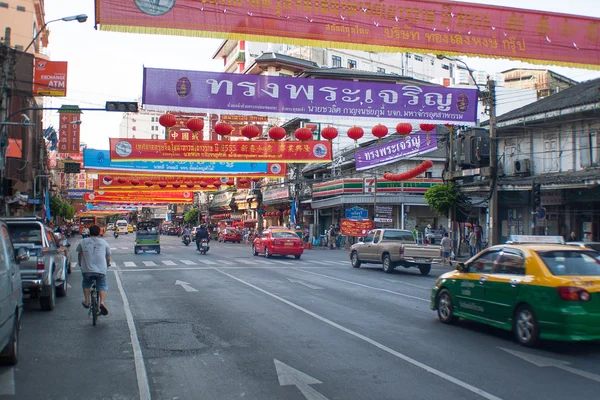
column 231, row 262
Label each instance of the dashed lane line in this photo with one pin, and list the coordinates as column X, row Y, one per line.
column 129, row 264
column 169, row 262
column 188, row 262
column 150, row 264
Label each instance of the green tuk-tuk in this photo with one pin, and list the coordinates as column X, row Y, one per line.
column 147, row 237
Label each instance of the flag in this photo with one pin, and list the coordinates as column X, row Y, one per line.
column 47, row 205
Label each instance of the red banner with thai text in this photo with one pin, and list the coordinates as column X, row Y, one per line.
column 431, row 26
column 139, row 196
column 224, row 151
column 356, row 228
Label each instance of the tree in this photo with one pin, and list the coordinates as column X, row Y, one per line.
column 191, row 217
column 443, row 198
column 55, row 206
column 69, row 211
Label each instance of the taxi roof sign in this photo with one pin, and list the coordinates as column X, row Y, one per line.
column 534, row 239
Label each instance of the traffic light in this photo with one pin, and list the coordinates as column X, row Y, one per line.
column 122, row 106
column 72, row 167
column 537, row 195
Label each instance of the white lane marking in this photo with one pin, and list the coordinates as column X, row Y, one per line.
column 282, row 262
column 207, row 262
column 289, row 376
column 380, row 346
column 265, row 262
column 308, row 285
column 138, row 357
column 124, row 248
column 407, row 284
column 188, row 262
column 7, row 382
column 365, row 286
column 168, row 262
column 247, row 262
column 320, row 262
column 278, row 267
column 225, row 262
column 129, row 264
column 150, row 264
column 186, row 286
column 114, row 248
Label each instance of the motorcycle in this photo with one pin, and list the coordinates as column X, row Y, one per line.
column 186, row 240
column 203, row 247
column 116, row 234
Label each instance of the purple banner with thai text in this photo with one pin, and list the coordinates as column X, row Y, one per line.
column 342, row 100
column 411, row 145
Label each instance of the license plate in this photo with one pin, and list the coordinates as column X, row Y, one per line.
column 204, row 245
column 288, row 243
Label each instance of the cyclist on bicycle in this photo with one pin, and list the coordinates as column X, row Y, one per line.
column 94, row 259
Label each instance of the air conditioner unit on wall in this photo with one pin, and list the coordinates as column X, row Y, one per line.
column 522, row 167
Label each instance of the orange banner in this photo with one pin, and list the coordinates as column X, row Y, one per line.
column 50, row 78
column 154, row 182
column 432, row 26
column 356, row 228
column 224, row 151
column 138, row 196
column 69, row 131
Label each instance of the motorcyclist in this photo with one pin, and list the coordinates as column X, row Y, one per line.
column 201, row 233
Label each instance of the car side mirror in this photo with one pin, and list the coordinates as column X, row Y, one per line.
column 22, row 254
column 461, row 267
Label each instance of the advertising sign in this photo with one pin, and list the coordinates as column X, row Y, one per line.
column 433, row 26
column 337, row 100
column 258, row 151
column 383, row 214
column 77, row 193
column 387, row 153
column 356, row 228
column 99, row 160
column 356, row 213
column 50, row 78
column 275, row 194
column 138, row 196
column 69, row 129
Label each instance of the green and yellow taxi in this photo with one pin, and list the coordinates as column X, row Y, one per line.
column 535, row 286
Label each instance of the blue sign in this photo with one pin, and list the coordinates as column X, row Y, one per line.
column 34, row 201
column 77, row 193
column 261, row 211
column 100, row 160
column 356, row 213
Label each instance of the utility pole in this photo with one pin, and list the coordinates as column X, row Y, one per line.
column 493, row 208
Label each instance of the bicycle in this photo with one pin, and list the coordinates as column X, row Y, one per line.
column 94, row 311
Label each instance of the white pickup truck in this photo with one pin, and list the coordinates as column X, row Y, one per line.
column 392, row 248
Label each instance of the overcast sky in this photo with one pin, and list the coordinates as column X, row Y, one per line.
column 108, row 66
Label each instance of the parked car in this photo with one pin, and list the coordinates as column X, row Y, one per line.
column 536, row 290
column 44, row 273
column 283, row 242
column 392, row 248
column 11, row 297
column 231, row 235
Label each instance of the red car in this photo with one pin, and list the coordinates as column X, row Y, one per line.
column 231, row 235
column 278, row 242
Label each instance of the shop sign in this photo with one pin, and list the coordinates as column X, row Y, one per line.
column 77, row 193
column 69, row 133
column 50, row 78
column 221, row 199
column 414, row 144
column 356, row 228
column 275, row 194
column 308, row 212
column 127, row 150
column 383, row 214
column 337, row 100
column 552, row 198
column 357, row 213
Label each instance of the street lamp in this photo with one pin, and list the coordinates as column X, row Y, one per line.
column 79, row 18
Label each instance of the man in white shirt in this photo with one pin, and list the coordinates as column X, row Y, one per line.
column 94, row 259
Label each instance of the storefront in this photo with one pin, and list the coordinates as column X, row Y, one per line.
column 275, row 202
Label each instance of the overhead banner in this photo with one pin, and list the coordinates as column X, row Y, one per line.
column 49, row 78
column 156, row 182
column 99, row 160
column 139, row 196
column 340, row 100
column 431, row 26
column 259, row 151
column 356, row 228
column 411, row 145
column 69, row 129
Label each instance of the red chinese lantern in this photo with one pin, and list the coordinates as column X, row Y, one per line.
column 149, row 183
column 303, row 134
column 121, row 181
column 190, row 184
column 379, row 131
column 250, row 131
column 229, row 182
column 421, row 168
column 255, row 179
column 203, row 184
column 242, row 181
column 329, row 133
column 195, row 124
column 176, row 185
column 162, row 184
column 427, row 127
column 108, row 179
column 278, row 213
column 355, row 133
column 135, row 182
column 404, row 128
column 277, row 133
column 167, row 120
column 223, row 128
column 217, row 183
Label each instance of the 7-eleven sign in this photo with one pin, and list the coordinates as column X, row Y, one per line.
column 369, row 185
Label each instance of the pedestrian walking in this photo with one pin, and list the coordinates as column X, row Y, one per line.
column 446, row 249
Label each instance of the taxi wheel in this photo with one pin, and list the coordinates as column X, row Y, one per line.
column 254, row 252
column 525, row 326
column 445, row 308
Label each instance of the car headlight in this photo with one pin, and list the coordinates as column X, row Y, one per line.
column 438, row 283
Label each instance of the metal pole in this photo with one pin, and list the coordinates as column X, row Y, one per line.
column 35, row 189
column 374, row 200
column 493, row 210
column 402, row 215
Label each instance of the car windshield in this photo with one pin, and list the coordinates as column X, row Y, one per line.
column 23, row 233
column 284, row 235
column 593, row 246
column 567, row 263
column 398, row 236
